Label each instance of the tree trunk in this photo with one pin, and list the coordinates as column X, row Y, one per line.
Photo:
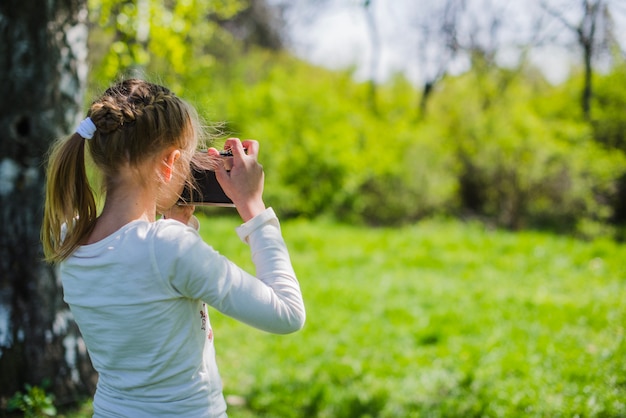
column 43, row 48
column 427, row 91
column 588, row 77
column 375, row 56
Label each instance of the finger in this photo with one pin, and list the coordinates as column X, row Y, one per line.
column 237, row 148
column 213, row 159
column 223, row 178
column 221, row 171
column 231, row 143
column 251, row 146
column 237, row 151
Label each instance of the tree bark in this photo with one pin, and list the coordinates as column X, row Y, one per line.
column 372, row 29
column 43, row 68
column 587, row 93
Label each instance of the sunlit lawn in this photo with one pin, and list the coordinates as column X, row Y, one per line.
column 440, row 319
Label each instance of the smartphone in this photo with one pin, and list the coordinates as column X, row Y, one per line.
column 207, row 190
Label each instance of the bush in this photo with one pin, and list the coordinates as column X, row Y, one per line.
column 501, row 145
column 35, row 402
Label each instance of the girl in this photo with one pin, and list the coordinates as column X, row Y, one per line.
column 138, row 286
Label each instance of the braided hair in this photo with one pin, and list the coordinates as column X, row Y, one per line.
column 135, row 120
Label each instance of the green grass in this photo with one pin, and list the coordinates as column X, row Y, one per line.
column 439, row 319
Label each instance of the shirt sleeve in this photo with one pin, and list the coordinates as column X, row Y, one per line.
column 271, row 301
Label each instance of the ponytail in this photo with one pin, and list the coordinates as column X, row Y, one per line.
column 132, row 122
column 70, row 207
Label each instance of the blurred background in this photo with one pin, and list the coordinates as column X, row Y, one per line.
column 450, row 176
column 507, row 111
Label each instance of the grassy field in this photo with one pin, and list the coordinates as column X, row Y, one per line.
column 439, row 319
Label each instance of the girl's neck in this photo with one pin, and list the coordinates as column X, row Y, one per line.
column 122, row 206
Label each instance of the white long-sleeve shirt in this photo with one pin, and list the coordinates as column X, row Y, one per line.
column 138, row 297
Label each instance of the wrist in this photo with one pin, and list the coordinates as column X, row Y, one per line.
column 249, row 210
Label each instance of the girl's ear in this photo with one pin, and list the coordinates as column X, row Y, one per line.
column 170, row 157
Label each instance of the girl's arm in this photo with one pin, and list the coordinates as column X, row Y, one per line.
column 271, row 301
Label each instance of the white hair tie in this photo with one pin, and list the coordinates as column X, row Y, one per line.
column 86, row 129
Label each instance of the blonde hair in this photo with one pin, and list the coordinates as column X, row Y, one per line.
column 135, row 120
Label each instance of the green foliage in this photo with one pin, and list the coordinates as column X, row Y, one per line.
column 437, row 319
column 521, row 167
column 323, row 150
column 501, row 145
column 34, row 403
column 172, row 39
column 609, row 122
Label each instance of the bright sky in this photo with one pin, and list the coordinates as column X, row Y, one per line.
column 335, row 34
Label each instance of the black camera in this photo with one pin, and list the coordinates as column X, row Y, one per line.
column 204, row 189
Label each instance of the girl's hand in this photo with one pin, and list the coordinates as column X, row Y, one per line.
column 182, row 213
column 243, row 183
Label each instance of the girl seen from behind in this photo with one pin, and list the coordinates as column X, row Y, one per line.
column 139, row 287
